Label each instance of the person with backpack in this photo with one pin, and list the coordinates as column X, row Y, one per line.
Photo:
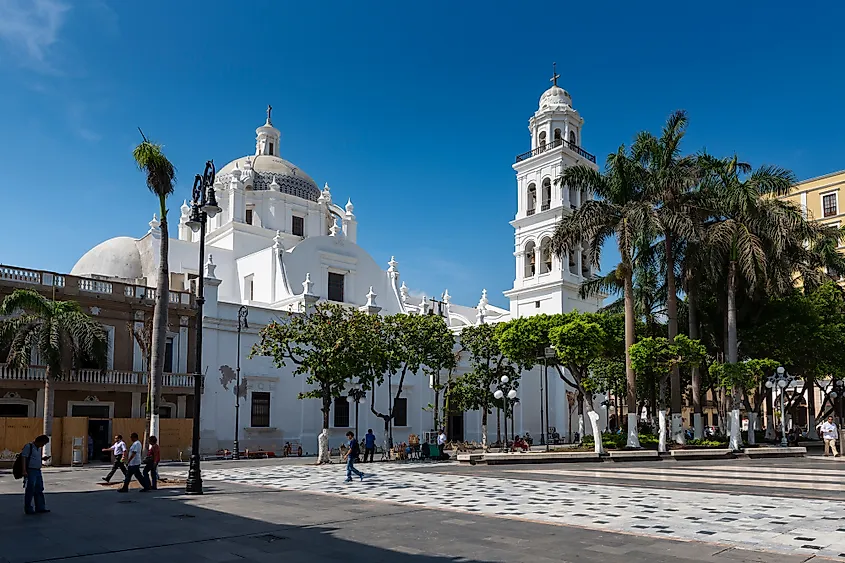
column 352, row 452
column 28, row 466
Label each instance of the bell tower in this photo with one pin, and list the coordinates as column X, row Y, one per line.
column 267, row 138
column 545, row 283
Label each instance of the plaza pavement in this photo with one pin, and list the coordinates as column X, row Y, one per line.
column 433, row 513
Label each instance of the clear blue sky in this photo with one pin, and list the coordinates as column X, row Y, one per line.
column 415, row 110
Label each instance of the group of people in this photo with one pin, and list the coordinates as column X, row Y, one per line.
column 129, row 461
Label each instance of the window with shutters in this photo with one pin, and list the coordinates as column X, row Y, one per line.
column 298, row 226
column 829, row 205
column 341, row 412
column 260, row 412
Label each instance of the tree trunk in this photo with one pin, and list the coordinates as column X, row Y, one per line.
column 672, row 319
column 581, row 416
column 160, row 325
column 630, row 376
column 324, row 455
column 698, row 425
column 484, row 428
column 594, row 422
column 49, row 399
column 812, row 434
column 732, row 351
column 736, row 425
column 662, row 445
column 436, row 408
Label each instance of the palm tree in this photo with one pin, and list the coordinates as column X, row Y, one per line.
column 58, row 332
column 621, row 210
column 160, row 179
column 670, row 179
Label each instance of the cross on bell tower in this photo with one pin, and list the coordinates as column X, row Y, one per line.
column 270, row 110
column 553, row 79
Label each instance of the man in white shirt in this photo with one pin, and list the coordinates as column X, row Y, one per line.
column 118, row 449
column 133, row 466
column 441, row 441
column 829, row 432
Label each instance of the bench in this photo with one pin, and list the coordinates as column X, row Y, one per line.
column 766, row 452
column 703, row 453
column 633, row 455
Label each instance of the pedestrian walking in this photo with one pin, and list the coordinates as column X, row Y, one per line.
column 118, row 449
column 33, row 482
column 151, row 462
column 829, row 434
column 369, row 445
column 352, row 452
column 133, row 466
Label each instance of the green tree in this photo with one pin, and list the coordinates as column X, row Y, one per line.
column 623, row 211
column 670, row 178
column 416, row 344
column 161, row 176
column 58, row 332
column 657, row 357
column 474, row 389
column 743, row 378
column 329, row 345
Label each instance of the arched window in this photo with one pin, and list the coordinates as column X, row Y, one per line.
column 573, row 266
column 530, row 260
column 546, row 195
column 532, row 199
column 545, row 256
column 585, row 260
column 558, row 137
column 572, row 139
column 542, row 140
column 573, row 198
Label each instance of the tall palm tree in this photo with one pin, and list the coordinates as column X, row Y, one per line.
column 160, row 180
column 670, row 179
column 58, row 332
column 623, row 211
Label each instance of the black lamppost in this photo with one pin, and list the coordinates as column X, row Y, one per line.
column 506, row 392
column 243, row 313
column 356, row 393
column 203, row 206
column 548, row 353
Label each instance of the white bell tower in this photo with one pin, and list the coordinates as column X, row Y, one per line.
column 545, row 283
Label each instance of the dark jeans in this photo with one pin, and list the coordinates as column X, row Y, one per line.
column 34, row 489
column 369, row 452
column 151, row 469
column 118, row 464
column 350, row 468
column 134, row 470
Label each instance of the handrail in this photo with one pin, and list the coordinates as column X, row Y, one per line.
column 96, row 376
column 554, row 144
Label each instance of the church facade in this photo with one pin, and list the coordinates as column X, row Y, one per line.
column 282, row 243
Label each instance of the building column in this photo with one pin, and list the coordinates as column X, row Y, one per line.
column 578, row 256
column 181, row 406
column 39, row 403
column 136, row 405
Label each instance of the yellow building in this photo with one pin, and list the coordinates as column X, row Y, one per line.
column 822, row 199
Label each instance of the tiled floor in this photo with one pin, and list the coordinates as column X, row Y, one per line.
column 751, row 521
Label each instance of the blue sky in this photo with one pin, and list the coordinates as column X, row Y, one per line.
column 415, row 110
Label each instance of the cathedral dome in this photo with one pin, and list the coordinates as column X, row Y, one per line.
column 555, row 98
column 115, row 258
column 259, row 172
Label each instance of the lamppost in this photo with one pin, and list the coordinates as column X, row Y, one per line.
column 549, row 352
column 243, row 313
column 355, row 393
column 506, row 391
column 782, row 380
column 203, row 206
column 839, row 391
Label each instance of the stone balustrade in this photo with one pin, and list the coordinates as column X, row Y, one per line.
column 97, row 377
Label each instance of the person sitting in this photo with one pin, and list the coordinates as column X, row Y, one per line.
column 519, row 443
column 528, row 439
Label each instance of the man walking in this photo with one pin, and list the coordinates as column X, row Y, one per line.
column 118, row 449
column 352, row 452
column 369, row 445
column 151, row 463
column 133, row 466
column 829, row 432
column 33, row 482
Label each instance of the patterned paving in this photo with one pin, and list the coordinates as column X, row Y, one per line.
column 750, row 521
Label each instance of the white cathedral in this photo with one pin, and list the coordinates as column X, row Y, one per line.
column 281, row 244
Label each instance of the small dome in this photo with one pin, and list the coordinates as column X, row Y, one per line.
column 555, row 98
column 265, row 168
column 115, row 258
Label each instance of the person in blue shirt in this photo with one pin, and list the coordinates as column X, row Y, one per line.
column 352, row 452
column 369, row 445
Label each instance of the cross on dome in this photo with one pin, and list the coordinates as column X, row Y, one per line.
column 554, row 77
column 269, row 111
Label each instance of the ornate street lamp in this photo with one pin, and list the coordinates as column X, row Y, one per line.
column 243, row 313
column 203, row 206
column 781, row 379
column 548, row 353
column 506, row 392
column 355, row 393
